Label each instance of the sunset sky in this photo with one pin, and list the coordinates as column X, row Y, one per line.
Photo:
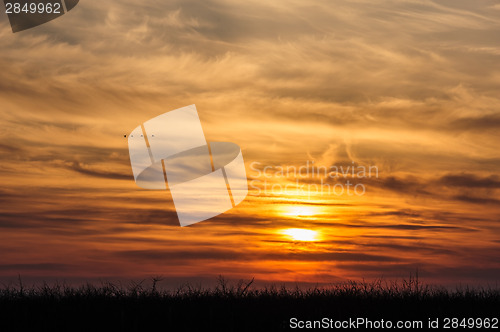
column 409, row 87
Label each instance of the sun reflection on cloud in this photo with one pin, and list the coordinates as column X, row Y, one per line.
column 300, row 211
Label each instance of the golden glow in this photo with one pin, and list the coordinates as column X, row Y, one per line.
column 301, row 211
column 301, row 142
column 300, row 234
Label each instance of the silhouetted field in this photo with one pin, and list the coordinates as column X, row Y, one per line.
column 230, row 307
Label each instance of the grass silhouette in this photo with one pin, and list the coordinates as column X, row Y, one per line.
column 230, row 306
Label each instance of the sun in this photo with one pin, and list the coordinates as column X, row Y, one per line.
column 300, row 234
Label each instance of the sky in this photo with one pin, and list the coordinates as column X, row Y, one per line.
column 408, row 88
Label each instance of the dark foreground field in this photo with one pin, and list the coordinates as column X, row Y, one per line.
column 238, row 307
